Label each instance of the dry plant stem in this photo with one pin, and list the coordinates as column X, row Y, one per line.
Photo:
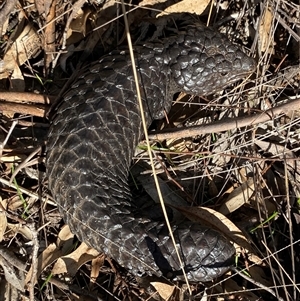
column 26, row 191
column 21, row 97
column 74, row 9
column 290, row 225
column 14, row 123
column 287, row 27
column 14, row 102
column 34, row 261
column 264, row 238
column 24, row 163
column 12, row 259
column 6, row 10
column 279, row 264
column 229, row 124
column 88, row 296
column 35, row 110
column 49, row 41
column 270, row 255
column 139, row 98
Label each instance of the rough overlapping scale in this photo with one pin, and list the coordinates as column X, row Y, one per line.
column 92, row 139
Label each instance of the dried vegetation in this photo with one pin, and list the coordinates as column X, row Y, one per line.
column 234, row 155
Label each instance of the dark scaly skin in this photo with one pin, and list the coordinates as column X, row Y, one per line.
column 92, row 140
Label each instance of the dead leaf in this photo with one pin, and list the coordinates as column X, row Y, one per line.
column 10, row 257
column 15, row 203
column 10, row 159
column 97, row 263
column 21, row 229
column 259, row 275
column 231, row 287
column 188, row 6
column 4, row 26
column 48, row 256
column 164, row 290
column 65, row 240
column 204, row 295
column 238, row 197
column 211, row 218
column 9, row 292
column 3, row 220
column 53, row 252
column 151, row 2
column 25, row 47
column 3, row 224
column 71, row 263
column 13, row 275
column 265, row 31
column 78, row 24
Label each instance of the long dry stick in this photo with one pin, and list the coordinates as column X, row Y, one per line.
column 229, row 123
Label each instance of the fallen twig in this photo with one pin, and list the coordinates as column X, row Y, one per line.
column 229, row 123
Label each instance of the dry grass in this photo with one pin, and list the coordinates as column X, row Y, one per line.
column 247, row 171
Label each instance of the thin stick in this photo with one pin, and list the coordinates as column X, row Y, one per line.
column 229, row 123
